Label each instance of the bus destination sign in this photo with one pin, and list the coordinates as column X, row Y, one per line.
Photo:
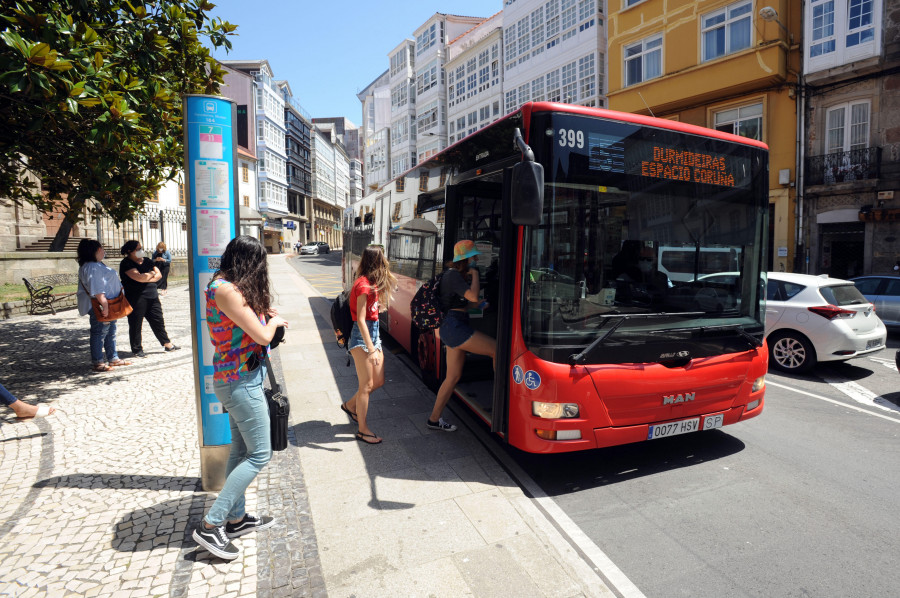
column 684, row 165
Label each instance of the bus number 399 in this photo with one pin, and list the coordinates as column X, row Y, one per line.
column 571, row 138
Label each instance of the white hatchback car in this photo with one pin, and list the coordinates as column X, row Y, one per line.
column 810, row 319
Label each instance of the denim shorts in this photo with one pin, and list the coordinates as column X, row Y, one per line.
column 455, row 329
column 356, row 339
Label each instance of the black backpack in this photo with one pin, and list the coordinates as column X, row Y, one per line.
column 425, row 306
column 342, row 319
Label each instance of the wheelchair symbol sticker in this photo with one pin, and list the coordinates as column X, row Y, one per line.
column 532, row 380
column 518, row 374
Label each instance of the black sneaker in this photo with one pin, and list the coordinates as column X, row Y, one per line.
column 172, row 348
column 216, row 542
column 440, row 425
column 138, row 354
column 248, row 524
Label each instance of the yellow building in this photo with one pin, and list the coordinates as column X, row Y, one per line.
column 727, row 65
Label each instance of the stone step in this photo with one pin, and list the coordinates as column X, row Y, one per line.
column 43, row 245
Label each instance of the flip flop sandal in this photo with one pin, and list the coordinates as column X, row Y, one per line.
column 119, row 363
column 362, row 438
column 101, row 367
column 43, row 410
column 349, row 413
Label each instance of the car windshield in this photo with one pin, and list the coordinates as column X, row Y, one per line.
column 614, row 244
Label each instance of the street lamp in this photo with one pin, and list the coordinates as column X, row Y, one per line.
column 767, row 13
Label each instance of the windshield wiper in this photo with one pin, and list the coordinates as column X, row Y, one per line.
column 579, row 358
column 739, row 328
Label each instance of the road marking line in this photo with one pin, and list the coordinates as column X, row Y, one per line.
column 827, row 400
column 888, row 363
column 859, row 393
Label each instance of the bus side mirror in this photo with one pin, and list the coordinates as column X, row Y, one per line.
column 527, row 193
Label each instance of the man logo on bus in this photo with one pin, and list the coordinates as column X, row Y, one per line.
column 518, row 374
column 674, row 399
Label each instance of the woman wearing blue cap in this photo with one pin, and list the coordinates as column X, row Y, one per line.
column 460, row 285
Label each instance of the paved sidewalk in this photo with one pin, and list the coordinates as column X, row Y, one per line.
column 424, row 513
column 100, row 498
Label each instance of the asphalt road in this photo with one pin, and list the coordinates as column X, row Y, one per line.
column 801, row 501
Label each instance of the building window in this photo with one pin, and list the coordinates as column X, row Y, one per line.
column 395, row 217
column 823, row 41
column 182, row 198
column 246, row 201
column 745, row 121
column 511, row 101
column 586, row 78
column 245, row 173
column 426, row 39
column 423, row 182
column 155, row 197
column 727, row 30
column 440, row 215
column 427, row 77
column 843, row 138
column 643, row 60
column 553, row 93
column 569, row 86
column 551, row 9
column 860, row 26
column 400, row 185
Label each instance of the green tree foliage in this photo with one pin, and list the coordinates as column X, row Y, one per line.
column 90, row 98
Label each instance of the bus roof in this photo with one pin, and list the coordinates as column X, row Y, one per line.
column 639, row 119
column 526, row 110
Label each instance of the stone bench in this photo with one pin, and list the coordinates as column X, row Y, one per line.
column 40, row 288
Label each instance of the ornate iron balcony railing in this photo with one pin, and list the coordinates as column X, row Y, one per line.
column 841, row 167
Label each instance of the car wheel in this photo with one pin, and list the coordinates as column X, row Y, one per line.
column 792, row 352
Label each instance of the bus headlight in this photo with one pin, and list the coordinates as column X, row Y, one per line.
column 759, row 384
column 554, row 410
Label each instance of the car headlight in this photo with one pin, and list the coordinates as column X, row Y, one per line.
column 759, row 384
column 554, row 410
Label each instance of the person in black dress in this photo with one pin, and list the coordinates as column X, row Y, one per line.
column 139, row 277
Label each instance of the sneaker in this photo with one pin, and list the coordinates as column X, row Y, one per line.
column 174, row 347
column 440, row 425
column 138, row 354
column 248, row 524
column 215, row 541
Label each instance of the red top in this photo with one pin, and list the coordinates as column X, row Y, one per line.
column 362, row 286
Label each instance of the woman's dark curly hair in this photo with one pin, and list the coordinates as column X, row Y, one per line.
column 244, row 264
column 87, row 251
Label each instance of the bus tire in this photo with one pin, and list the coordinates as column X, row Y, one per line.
column 791, row 352
column 422, row 346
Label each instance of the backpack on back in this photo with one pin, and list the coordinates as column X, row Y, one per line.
column 342, row 319
column 425, row 306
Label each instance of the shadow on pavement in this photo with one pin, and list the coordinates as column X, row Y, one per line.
column 572, row 472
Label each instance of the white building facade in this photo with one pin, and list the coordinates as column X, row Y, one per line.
column 554, row 51
column 431, row 55
column 402, row 83
column 474, row 77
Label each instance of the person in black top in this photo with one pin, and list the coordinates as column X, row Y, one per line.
column 139, row 277
column 459, row 287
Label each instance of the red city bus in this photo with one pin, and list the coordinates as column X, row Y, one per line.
column 596, row 344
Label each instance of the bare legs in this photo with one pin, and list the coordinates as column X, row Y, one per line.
column 480, row 344
column 371, row 377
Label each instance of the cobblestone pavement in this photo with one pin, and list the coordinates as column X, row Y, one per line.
column 100, row 498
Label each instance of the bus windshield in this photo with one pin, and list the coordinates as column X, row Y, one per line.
column 657, row 233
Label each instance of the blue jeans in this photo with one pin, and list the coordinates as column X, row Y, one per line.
column 6, row 397
column 251, row 442
column 103, row 337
